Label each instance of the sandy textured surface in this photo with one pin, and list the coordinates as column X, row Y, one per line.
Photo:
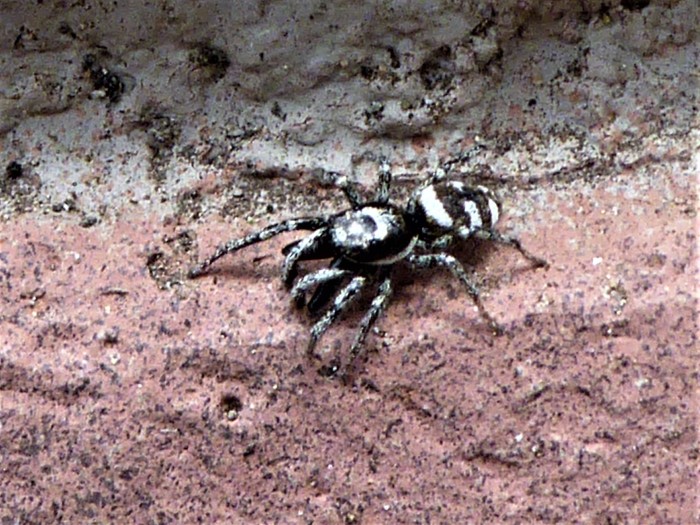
column 129, row 394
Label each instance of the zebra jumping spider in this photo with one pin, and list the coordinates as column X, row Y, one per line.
column 367, row 240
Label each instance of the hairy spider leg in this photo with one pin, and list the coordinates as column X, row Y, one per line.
column 465, row 156
column 444, row 169
column 448, row 261
column 352, row 193
column 344, row 298
column 384, row 184
column 379, row 304
column 326, row 290
column 349, row 188
column 305, row 223
column 441, row 243
column 317, row 278
column 311, row 247
column 445, row 241
column 494, row 236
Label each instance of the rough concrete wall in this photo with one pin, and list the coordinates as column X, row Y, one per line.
column 309, row 85
column 136, row 136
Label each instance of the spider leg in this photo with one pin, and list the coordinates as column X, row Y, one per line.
column 326, row 290
column 308, row 223
column 465, row 156
column 446, row 167
column 311, row 247
column 344, row 298
column 439, row 244
column 448, row 261
column 384, row 184
column 379, row 304
column 349, row 188
column 442, row 243
column 352, row 194
column 494, row 236
column 320, row 277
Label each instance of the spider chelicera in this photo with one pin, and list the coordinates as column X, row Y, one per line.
column 367, row 240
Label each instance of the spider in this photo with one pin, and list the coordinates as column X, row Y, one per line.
column 367, row 240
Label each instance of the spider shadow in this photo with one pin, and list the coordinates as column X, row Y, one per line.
column 489, row 265
column 407, row 283
column 505, row 261
column 471, row 254
column 260, row 267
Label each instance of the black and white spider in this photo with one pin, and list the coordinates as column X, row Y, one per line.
column 367, row 240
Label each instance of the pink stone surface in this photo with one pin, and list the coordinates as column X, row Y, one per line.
column 122, row 401
column 129, row 394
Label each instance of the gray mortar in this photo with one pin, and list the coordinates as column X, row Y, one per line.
column 317, row 85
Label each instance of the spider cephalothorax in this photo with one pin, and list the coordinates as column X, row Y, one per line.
column 367, row 240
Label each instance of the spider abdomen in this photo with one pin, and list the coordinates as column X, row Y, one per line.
column 452, row 207
column 373, row 234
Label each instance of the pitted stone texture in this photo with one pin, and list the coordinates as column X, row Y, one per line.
column 125, row 401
